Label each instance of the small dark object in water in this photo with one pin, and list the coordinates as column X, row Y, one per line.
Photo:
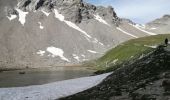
column 21, row 72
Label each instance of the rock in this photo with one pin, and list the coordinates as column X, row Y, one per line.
column 39, row 4
column 166, row 86
column 111, row 11
column 25, row 4
column 166, row 16
column 166, row 75
column 10, row 11
column 22, row 72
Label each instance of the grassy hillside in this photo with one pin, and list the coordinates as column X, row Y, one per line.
column 129, row 50
column 135, row 81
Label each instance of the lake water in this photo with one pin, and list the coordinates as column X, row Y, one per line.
column 43, row 76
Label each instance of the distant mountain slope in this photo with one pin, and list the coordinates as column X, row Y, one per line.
column 160, row 25
column 45, row 33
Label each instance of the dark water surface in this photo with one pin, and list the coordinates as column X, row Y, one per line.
column 38, row 77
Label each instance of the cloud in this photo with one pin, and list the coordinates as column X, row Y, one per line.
column 140, row 11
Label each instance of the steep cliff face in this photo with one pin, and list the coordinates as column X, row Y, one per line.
column 43, row 33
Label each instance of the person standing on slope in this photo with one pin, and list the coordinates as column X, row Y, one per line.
column 166, row 42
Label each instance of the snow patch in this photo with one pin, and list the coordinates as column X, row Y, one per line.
column 141, row 26
column 98, row 18
column 118, row 28
column 12, row 17
column 58, row 15
column 101, row 43
column 52, row 91
column 95, row 40
column 85, row 59
column 41, row 53
column 76, row 57
column 154, row 46
column 22, row 16
column 69, row 23
column 41, row 27
column 137, row 27
column 83, row 56
column 114, row 61
column 46, row 13
column 153, row 28
column 91, row 51
column 57, row 52
column 73, row 25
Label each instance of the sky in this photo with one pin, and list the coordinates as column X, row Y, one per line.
column 139, row 11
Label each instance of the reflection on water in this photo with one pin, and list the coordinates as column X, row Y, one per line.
column 32, row 77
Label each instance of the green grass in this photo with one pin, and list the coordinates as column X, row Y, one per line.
column 129, row 50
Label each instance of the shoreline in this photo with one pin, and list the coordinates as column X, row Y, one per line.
column 56, row 68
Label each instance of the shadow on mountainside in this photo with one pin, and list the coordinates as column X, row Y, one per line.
column 147, row 78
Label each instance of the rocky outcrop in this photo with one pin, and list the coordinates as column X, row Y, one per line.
column 144, row 79
column 74, row 10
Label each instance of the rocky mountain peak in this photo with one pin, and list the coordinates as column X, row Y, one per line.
column 166, row 16
column 107, row 12
column 73, row 10
column 32, row 5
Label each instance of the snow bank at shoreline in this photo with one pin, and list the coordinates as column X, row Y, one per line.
column 51, row 91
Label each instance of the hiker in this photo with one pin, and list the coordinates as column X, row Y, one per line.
column 166, row 42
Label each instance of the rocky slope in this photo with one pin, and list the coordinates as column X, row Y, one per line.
column 147, row 78
column 43, row 33
column 160, row 25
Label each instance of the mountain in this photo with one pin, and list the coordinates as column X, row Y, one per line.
column 147, row 78
column 47, row 33
column 160, row 25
